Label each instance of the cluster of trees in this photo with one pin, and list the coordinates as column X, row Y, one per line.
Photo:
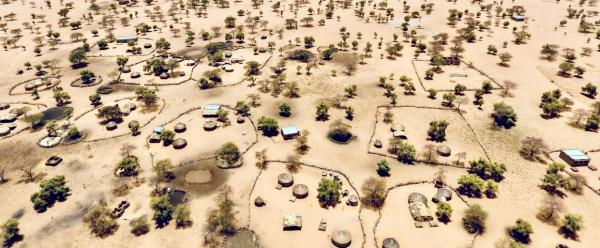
column 99, row 220
column 483, row 178
column 552, row 104
column 405, row 152
column 553, row 180
column 146, row 95
column 504, row 115
column 51, row 191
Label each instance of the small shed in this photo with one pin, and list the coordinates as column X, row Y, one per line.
column 290, row 132
column 518, row 18
column 126, row 38
column 292, row 222
column 574, row 157
column 158, row 130
column 211, row 110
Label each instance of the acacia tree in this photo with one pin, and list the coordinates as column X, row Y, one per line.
column 374, row 192
column 531, row 147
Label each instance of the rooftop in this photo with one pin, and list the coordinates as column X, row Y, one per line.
column 290, row 130
column 212, row 106
column 576, row 154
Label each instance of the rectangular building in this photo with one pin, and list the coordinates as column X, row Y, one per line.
column 574, row 157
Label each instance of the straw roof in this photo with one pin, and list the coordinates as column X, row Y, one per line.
column 300, row 191
column 442, row 195
column 179, row 143
column 417, row 197
column 341, row 238
column 180, row 127
column 390, row 243
column 444, row 150
column 285, row 179
column 111, row 125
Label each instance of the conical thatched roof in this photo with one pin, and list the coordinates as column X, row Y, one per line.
column 179, row 143
column 285, row 179
column 341, row 238
column 417, row 197
column 180, row 127
column 390, row 243
column 444, row 150
column 259, row 202
column 300, row 191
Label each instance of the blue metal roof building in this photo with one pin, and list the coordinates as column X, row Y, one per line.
column 574, row 157
column 290, row 132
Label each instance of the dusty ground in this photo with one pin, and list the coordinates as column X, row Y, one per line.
column 89, row 165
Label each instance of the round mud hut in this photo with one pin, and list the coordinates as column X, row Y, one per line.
column 210, row 125
column 300, row 191
column 417, row 197
column 390, row 243
column 111, row 125
column 259, row 201
column 180, row 128
column 444, row 150
column 179, row 143
column 341, row 238
column 378, row 143
column 4, row 105
column 285, row 179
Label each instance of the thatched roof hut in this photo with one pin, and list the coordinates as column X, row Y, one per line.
column 179, row 143
column 420, row 212
column 241, row 119
column 442, row 195
column 300, row 191
column 444, row 150
column 180, row 127
column 154, row 138
column 378, row 143
column 417, row 197
column 4, row 105
column 341, row 238
column 135, row 74
column 111, row 125
column 210, row 125
column 285, row 179
column 4, row 130
column 126, row 69
column 397, row 127
column 164, row 75
column 259, row 202
column 353, row 200
column 390, row 243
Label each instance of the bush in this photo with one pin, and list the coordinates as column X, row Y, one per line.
column 405, row 152
column 163, row 210
column 10, row 232
column 222, row 219
column 474, row 219
column 571, row 224
column 99, row 220
column 329, row 191
column 182, row 215
column 521, row 231
column 52, row 190
column 437, row 130
column 383, row 168
column 268, row 125
column 374, row 192
column 444, row 211
column 470, row 185
column 128, row 166
column 487, row 169
column 504, row 115
column 301, row 55
column 139, row 226
column 229, row 152
column 285, row 109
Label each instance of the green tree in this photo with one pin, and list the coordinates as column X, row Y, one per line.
column 470, row 185
column 164, row 169
column 128, row 166
column 329, row 191
column 229, row 152
column 10, row 232
column 437, row 130
column 504, row 115
column 322, row 111
column 383, row 167
column 285, row 109
column 51, row 190
column 521, row 231
column 444, row 211
column 167, row 137
column 163, row 210
column 487, row 169
column 134, row 126
column 268, row 125
column 252, row 68
column 571, row 224
column 182, row 215
column 405, row 152
column 78, row 57
column 139, row 226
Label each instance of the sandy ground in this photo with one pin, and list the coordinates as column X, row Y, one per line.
column 89, row 166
